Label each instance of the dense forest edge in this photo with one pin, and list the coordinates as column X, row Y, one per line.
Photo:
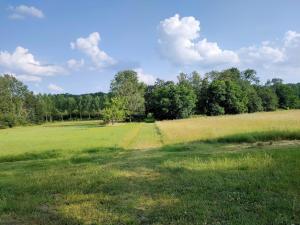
column 230, row 91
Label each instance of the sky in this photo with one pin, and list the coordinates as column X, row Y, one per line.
column 78, row 46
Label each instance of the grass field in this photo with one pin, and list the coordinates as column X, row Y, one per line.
column 209, row 128
column 137, row 173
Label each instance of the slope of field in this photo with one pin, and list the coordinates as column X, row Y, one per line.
column 208, row 128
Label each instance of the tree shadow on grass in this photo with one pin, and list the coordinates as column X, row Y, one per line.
column 88, row 124
column 200, row 185
column 50, row 154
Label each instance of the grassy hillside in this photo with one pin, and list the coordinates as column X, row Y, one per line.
column 82, row 173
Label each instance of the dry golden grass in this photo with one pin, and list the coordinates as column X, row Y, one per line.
column 205, row 128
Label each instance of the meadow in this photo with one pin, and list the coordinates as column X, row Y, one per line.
column 241, row 169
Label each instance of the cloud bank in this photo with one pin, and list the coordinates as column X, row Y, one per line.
column 21, row 61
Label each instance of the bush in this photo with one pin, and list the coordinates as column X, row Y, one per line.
column 150, row 118
column 7, row 121
column 215, row 110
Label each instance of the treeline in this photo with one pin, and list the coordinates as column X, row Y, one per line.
column 71, row 107
column 216, row 93
column 227, row 92
column 19, row 106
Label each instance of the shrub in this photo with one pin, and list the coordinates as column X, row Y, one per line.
column 215, row 110
column 7, row 120
column 150, row 118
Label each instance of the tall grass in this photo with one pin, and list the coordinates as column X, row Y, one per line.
column 245, row 127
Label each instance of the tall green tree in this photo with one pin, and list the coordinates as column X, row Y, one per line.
column 17, row 104
column 71, row 106
column 268, row 97
column 114, row 111
column 167, row 100
column 126, row 85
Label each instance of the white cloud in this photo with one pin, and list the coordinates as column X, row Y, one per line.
column 23, row 11
column 90, row 47
column 263, row 54
column 291, row 38
column 55, row 88
column 24, row 77
column 143, row 77
column 21, row 61
column 28, row 78
column 274, row 59
column 75, row 64
column 179, row 42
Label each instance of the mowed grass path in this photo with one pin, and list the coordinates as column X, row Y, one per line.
column 74, row 136
column 209, row 128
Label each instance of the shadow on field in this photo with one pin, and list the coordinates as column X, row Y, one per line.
column 252, row 137
column 76, row 125
column 193, row 183
column 51, row 154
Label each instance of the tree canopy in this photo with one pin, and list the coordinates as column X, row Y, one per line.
column 218, row 92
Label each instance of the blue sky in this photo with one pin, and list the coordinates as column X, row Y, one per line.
column 78, row 46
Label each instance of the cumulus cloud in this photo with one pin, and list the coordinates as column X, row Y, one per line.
column 28, row 78
column 144, row 77
column 21, row 61
column 23, row 11
column 179, row 42
column 274, row 59
column 55, row 88
column 24, row 77
column 262, row 54
column 90, row 47
column 291, row 38
column 75, row 64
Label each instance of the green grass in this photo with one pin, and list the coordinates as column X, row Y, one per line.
column 183, row 184
column 75, row 136
column 82, row 173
